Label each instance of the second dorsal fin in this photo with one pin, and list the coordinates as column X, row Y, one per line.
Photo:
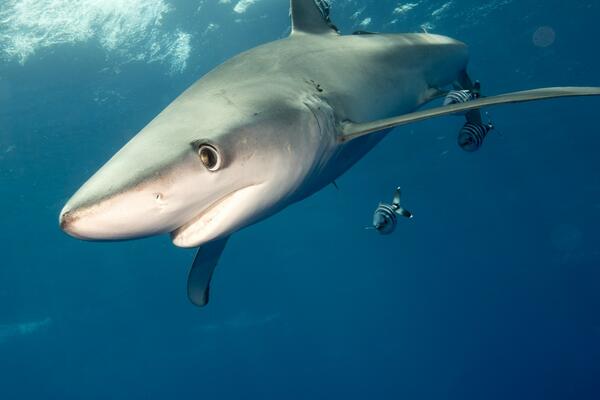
column 311, row 16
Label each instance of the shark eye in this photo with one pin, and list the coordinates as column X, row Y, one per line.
column 209, row 157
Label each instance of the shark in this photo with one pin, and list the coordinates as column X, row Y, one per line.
column 268, row 128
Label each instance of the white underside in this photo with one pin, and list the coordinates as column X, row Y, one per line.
column 221, row 218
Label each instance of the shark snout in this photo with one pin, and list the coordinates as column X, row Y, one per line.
column 128, row 215
column 73, row 221
column 130, row 199
column 66, row 220
column 70, row 222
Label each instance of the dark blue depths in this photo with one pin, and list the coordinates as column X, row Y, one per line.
column 490, row 292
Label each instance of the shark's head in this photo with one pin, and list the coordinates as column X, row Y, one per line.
column 205, row 167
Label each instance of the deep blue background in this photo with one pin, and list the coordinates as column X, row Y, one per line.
column 490, row 292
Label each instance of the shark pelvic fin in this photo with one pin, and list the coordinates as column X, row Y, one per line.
column 351, row 130
column 311, row 16
column 207, row 258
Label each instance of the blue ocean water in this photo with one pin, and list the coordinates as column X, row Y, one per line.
column 492, row 291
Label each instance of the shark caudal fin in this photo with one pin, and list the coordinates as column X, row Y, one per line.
column 206, row 260
column 351, row 130
column 311, row 16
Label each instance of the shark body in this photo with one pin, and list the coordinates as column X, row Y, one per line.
column 264, row 130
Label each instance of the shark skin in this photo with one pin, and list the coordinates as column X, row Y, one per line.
column 268, row 128
column 276, row 107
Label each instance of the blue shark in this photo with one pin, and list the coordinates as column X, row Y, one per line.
column 268, row 128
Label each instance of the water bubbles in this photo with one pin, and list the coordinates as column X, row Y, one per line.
column 544, row 36
column 129, row 30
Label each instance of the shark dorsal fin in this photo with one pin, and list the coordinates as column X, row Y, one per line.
column 311, row 16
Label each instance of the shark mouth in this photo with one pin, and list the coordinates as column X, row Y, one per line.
column 223, row 217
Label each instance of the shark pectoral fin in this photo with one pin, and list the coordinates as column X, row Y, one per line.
column 311, row 16
column 207, row 257
column 352, row 130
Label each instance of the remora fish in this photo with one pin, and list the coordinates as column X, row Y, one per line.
column 268, row 128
